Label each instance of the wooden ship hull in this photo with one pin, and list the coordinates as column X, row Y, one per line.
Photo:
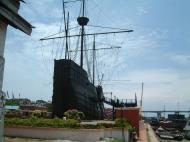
column 73, row 90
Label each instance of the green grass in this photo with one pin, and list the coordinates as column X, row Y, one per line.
column 117, row 140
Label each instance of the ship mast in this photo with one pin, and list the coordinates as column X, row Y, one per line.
column 82, row 21
column 93, row 68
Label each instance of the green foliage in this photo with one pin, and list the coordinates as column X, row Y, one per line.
column 74, row 114
column 98, row 126
column 60, row 123
column 123, row 123
column 12, row 113
column 12, row 102
column 117, row 140
column 106, row 125
column 39, row 122
column 49, row 107
column 90, row 126
column 37, row 113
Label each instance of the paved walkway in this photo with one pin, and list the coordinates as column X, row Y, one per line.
column 142, row 132
column 151, row 134
column 146, row 133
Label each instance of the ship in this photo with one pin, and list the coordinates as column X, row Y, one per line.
column 72, row 88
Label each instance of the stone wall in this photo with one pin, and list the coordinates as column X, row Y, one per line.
column 83, row 135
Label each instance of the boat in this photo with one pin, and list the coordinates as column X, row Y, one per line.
column 169, row 135
column 72, row 88
column 187, row 130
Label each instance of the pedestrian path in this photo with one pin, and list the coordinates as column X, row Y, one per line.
column 146, row 133
column 142, row 132
column 151, row 134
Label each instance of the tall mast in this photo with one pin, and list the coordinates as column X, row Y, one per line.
column 66, row 29
column 82, row 21
column 93, row 70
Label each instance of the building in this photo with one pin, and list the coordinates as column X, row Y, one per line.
column 131, row 114
column 9, row 16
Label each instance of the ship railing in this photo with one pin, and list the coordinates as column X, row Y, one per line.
column 119, row 103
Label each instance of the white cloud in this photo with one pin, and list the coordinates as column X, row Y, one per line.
column 181, row 59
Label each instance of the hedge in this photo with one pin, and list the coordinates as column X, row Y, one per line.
column 61, row 123
column 39, row 122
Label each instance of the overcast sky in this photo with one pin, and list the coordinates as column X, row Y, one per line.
column 156, row 53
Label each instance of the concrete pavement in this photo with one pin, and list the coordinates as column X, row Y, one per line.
column 146, row 133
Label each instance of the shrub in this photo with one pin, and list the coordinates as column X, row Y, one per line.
column 37, row 113
column 123, row 123
column 90, row 126
column 106, row 125
column 39, row 122
column 74, row 114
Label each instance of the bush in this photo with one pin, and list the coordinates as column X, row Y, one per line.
column 36, row 113
column 74, row 114
column 39, row 122
column 117, row 140
column 123, row 123
column 90, row 126
column 106, row 125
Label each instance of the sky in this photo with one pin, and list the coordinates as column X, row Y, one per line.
column 156, row 53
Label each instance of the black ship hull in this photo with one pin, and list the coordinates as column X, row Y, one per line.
column 73, row 90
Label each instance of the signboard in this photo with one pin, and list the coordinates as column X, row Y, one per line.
column 2, row 102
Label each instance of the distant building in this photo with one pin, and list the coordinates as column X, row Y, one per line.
column 32, row 107
column 11, row 107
